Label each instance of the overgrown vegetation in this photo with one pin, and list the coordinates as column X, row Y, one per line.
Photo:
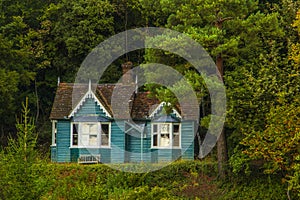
column 26, row 175
column 258, row 44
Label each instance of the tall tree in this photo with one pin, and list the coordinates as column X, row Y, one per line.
column 18, row 22
column 208, row 23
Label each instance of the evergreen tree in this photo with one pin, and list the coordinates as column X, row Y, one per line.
column 20, row 163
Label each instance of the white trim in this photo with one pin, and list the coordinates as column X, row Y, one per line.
column 176, row 113
column 89, row 94
column 158, row 108
column 134, row 126
column 170, row 136
column 99, row 135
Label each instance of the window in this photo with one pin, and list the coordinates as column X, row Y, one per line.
column 104, row 134
column 54, row 132
column 91, row 134
column 165, row 135
column 75, row 134
column 176, row 134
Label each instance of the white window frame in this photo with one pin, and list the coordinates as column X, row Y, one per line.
column 99, row 135
column 54, row 132
column 159, row 133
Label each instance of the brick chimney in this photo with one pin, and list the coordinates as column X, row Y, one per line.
column 127, row 76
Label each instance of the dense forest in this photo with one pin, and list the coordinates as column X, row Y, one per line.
column 255, row 44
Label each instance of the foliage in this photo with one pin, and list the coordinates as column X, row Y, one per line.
column 255, row 187
column 179, row 180
column 264, row 107
column 259, row 44
column 20, row 173
column 101, row 182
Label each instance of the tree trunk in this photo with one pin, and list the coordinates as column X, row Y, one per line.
column 221, row 145
column 222, row 155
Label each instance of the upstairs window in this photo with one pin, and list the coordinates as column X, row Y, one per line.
column 165, row 135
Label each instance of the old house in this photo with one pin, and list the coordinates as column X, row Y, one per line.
column 85, row 128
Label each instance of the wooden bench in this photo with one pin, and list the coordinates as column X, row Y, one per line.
column 89, row 159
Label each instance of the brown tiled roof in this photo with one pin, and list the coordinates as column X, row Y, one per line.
column 62, row 105
column 139, row 105
column 143, row 105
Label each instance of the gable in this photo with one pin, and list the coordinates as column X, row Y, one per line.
column 141, row 106
column 89, row 105
column 159, row 110
column 64, row 101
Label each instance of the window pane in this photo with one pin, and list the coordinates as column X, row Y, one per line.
column 104, row 140
column 104, row 128
column 93, row 140
column 155, row 128
column 165, row 140
column 176, row 128
column 176, row 135
column 105, row 134
column 93, row 128
column 85, row 128
column 155, row 140
column 175, row 140
column 75, row 134
column 164, row 128
column 75, row 139
column 84, row 140
column 54, row 132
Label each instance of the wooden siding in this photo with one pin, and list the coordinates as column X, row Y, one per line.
column 176, row 154
column 117, row 142
column 165, row 155
column 90, row 107
column 147, row 144
column 138, row 149
column 105, row 153
column 187, row 140
column 133, row 146
column 63, row 141
column 53, row 154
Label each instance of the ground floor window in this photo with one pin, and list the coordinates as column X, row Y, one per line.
column 54, row 132
column 90, row 134
column 165, row 135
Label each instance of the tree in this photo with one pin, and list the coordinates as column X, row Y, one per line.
column 18, row 22
column 20, row 163
column 264, row 107
column 219, row 27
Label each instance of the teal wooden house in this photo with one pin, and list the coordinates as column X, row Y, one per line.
column 86, row 130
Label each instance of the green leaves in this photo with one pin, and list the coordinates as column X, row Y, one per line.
column 20, row 165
